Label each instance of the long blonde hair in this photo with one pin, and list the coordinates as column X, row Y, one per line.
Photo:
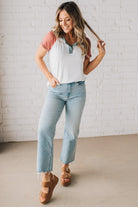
column 79, row 24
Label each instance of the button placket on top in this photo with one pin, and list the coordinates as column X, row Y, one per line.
column 70, row 46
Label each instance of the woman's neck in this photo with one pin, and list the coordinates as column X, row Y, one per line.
column 70, row 35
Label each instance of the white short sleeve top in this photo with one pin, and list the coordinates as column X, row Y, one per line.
column 65, row 61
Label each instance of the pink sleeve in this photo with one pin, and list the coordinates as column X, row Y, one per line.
column 48, row 40
column 89, row 50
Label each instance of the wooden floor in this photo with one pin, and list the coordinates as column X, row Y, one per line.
column 104, row 174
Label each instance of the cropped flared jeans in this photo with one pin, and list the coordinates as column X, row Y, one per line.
column 72, row 96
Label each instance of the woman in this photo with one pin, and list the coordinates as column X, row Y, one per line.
column 69, row 61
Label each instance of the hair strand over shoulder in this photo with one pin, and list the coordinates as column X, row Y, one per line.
column 79, row 25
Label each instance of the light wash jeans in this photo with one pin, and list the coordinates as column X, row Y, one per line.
column 72, row 96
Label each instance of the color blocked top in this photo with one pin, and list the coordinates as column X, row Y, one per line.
column 65, row 61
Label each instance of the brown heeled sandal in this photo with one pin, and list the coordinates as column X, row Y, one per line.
column 51, row 184
column 66, row 174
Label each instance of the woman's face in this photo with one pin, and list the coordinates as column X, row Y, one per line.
column 65, row 21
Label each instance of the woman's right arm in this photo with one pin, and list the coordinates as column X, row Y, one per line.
column 40, row 53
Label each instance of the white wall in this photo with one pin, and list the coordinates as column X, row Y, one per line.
column 112, row 89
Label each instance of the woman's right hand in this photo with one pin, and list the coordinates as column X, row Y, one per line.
column 53, row 81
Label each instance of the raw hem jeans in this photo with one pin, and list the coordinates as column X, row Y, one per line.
column 72, row 96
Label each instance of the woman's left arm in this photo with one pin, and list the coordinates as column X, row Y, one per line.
column 91, row 65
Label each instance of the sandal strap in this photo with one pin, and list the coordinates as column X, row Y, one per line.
column 46, row 184
column 49, row 183
column 65, row 175
column 64, row 169
column 43, row 194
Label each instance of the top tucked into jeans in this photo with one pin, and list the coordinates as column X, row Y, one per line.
column 65, row 61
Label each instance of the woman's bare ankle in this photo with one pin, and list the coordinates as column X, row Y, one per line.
column 65, row 166
column 46, row 175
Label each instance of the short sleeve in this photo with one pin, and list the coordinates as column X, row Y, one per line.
column 89, row 50
column 48, row 40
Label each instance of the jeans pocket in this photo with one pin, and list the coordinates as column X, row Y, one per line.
column 58, row 89
column 53, row 87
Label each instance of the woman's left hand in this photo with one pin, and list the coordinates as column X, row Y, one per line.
column 101, row 47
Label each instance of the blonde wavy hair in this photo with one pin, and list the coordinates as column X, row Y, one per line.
column 79, row 24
